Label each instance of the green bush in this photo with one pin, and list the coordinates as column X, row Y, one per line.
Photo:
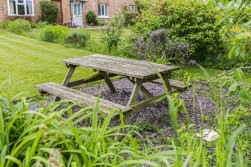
column 39, row 25
column 195, row 22
column 4, row 25
column 91, row 18
column 158, row 47
column 49, row 12
column 19, row 26
column 111, row 37
column 54, row 34
column 129, row 18
column 77, row 38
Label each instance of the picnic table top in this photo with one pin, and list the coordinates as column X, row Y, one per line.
column 121, row 66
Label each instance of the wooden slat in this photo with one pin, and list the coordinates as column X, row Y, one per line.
column 121, row 66
column 173, row 83
column 68, row 93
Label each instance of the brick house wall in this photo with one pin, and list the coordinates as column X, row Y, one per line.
column 4, row 16
column 65, row 14
column 114, row 6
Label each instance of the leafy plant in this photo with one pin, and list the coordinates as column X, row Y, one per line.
column 47, row 137
column 54, row 34
column 49, row 12
column 4, row 25
column 91, row 18
column 157, row 47
column 129, row 18
column 39, row 25
column 111, row 35
column 191, row 21
column 77, row 38
column 19, row 26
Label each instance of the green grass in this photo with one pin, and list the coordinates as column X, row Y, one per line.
column 199, row 73
column 26, row 62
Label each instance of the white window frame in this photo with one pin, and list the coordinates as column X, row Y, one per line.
column 132, row 7
column 25, row 8
column 100, row 5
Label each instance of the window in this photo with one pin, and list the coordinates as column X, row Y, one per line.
column 103, row 10
column 132, row 7
column 77, row 9
column 21, row 7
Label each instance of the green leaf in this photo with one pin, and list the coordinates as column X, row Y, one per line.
column 239, row 74
column 230, row 53
column 232, row 88
column 245, row 97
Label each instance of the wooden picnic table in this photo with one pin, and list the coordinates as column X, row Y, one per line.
column 136, row 71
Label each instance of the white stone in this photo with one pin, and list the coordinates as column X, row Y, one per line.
column 208, row 135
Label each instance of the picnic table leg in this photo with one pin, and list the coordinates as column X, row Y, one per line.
column 67, row 79
column 167, row 83
column 108, row 82
column 143, row 89
column 68, row 76
column 134, row 95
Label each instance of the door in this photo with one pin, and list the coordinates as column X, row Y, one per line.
column 77, row 11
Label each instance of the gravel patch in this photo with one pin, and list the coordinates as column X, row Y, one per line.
column 156, row 116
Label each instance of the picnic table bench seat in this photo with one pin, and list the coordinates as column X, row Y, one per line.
column 71, row 94
column 179, row 85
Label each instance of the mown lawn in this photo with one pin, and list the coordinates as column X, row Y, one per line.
column 25, row 62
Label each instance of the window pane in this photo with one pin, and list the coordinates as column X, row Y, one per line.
column 103, row 10
column 20, row 1
column 21, row 9
column 79, row 9
column 75, row 9
column 12, row 7
column 99, row 9
column 106, row 10
column 29, row 7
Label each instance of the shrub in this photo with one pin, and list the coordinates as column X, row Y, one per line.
column 91, row 18
column 157, row 47
column 77, row 38
column 39, row 25
column 54, row 34
column 129, row 18
column 101, row 22
column 192, row 21
column 111, row 37
column 19, row 26
column 4, row 25
column 49, row 12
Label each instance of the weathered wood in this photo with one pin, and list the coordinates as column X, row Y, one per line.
column 68, row 93
column 166, row 82
column 68, row 75
column 180, row 85
column 121, row 66
column 142, row 88
column 148, row 102
column 108, row 81
column 134, row 95
column 90, row 79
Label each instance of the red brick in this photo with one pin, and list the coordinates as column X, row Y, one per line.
column 114, row 7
